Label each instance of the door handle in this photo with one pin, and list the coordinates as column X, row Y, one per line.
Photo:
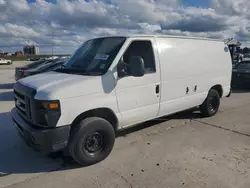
column 195, row 88
column 157, row 89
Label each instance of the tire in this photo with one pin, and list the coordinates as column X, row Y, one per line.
column 211, row 105
column 9, row 63
column 91, row 141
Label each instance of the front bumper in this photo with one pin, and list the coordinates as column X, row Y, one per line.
column 43, row 140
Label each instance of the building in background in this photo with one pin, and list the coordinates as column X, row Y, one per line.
column 19, row 54
column 31, row 50
column 1, row 52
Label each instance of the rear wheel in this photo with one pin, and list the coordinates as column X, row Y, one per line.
column 91, row 141
column 211, row 105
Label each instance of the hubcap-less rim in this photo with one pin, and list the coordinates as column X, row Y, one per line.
column 94, row 143
column 213, row 104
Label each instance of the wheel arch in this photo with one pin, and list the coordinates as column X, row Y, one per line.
column 104, row 113
column 219, row 89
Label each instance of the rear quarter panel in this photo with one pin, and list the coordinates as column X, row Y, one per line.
column 186, row 63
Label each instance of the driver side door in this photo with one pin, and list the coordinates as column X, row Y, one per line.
column 139, row 97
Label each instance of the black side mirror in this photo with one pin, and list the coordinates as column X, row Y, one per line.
column 137, row 68
column 122, row 69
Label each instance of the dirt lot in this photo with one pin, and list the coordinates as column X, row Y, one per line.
column 178, row 151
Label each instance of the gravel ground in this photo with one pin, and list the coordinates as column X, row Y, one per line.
column 182, row 150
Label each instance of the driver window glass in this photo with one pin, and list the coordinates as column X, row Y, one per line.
column 143, row 49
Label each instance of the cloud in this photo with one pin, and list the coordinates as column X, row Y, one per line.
column 198, row 20
column 232, row 7
column 67, row 24
column 13, row 30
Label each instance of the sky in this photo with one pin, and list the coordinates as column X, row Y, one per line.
column 68, row 23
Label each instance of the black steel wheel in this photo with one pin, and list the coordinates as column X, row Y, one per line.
column 91, row 141
column 94, row 143
column 211, row 105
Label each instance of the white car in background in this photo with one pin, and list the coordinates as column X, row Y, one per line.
column 52, row 57
column 5, row 61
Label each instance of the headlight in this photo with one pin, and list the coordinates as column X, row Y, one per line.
column 47, row 113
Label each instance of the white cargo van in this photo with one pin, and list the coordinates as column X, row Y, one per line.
column 112, row 83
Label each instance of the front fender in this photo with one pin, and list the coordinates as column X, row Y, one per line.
column 71, row 108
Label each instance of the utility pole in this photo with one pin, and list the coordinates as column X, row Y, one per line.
column 52, row 43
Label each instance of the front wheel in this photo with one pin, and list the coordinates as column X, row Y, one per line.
column 91, row 141
column 211, row 105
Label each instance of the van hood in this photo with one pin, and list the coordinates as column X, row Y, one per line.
column 54, row 85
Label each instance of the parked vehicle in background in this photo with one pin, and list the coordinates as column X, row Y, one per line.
column 19, row 71
column 247, row 55
column 5, row 61
column 52, row 57
column 241, row 75
column 45, row 67
column 34, row 59
column 36, row 67
column 112, row 83
column 237, row 58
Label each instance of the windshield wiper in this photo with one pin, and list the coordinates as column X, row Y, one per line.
column 73, row 70
column 91, row 73
column 76, row 66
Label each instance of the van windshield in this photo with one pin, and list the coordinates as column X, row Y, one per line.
column 94, row 57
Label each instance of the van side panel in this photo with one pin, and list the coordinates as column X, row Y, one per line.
column 188, row 64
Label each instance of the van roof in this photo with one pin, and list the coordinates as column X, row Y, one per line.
column 165, row 36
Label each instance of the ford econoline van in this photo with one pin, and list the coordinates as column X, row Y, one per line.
column 112, row 83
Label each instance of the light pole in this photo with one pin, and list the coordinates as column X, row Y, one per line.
column 52, row 43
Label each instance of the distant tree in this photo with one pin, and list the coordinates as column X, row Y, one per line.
column 246, row 50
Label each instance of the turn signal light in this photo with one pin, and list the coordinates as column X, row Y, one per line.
column 50, row 105
column 53, row 106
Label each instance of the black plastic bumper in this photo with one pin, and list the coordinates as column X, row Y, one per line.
column 43, row 140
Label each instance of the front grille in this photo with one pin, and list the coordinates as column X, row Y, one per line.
column 22, row 104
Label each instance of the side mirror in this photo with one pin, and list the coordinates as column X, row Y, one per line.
column 122, row 69
column 137, row 68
